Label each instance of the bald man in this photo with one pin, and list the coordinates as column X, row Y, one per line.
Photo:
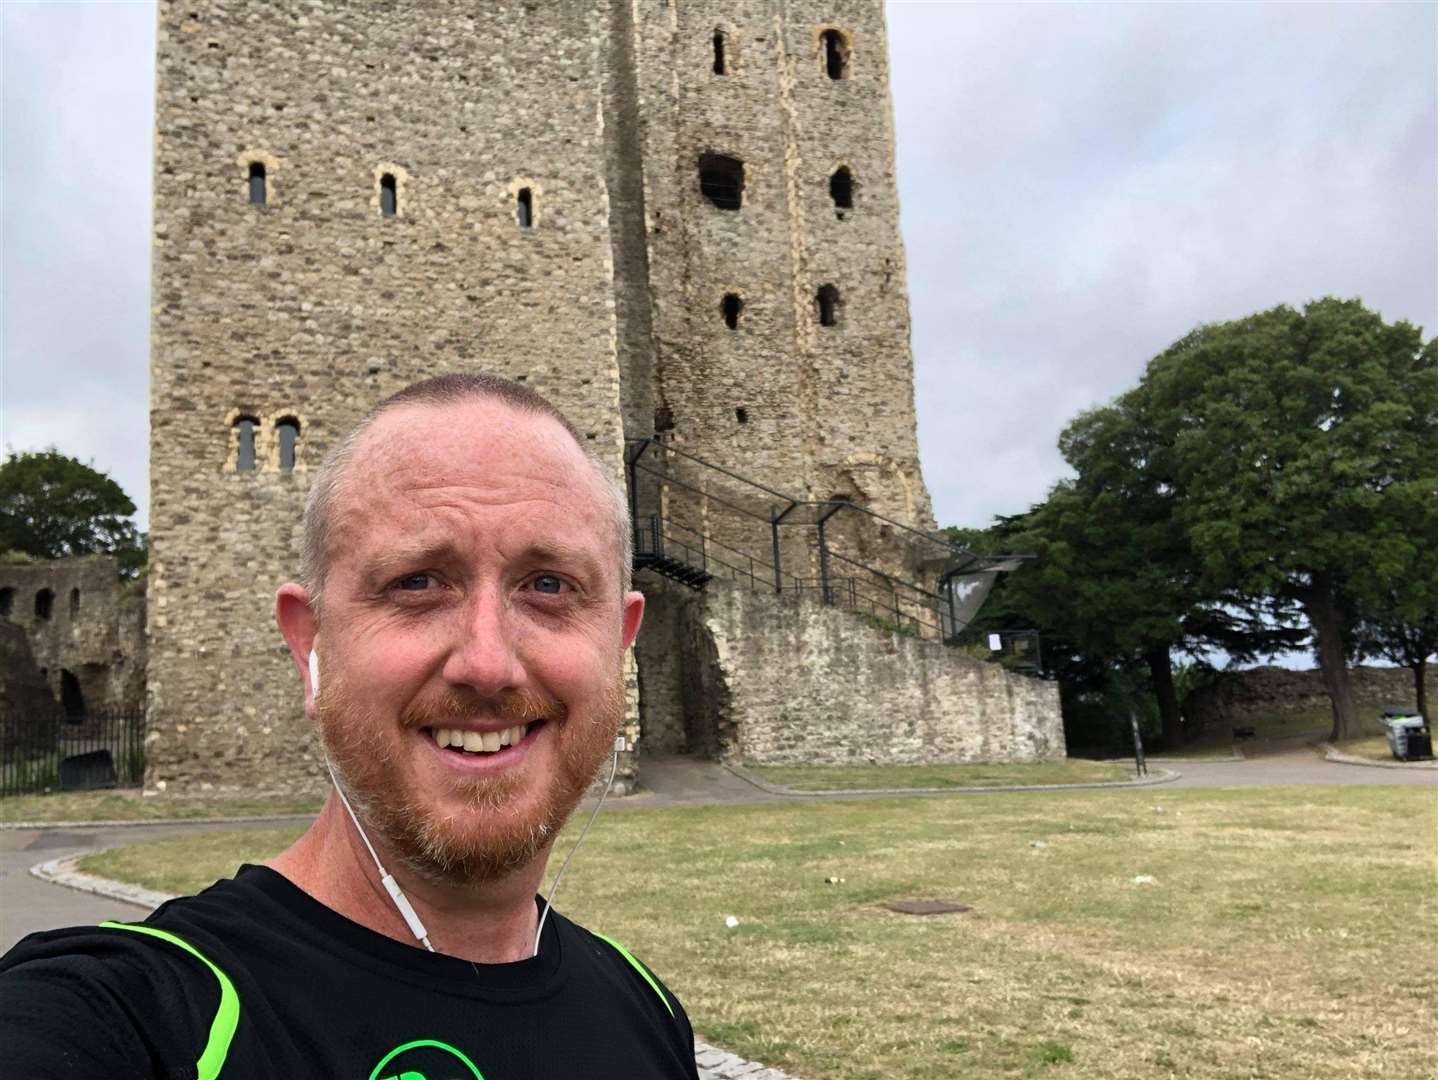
column 460, row 624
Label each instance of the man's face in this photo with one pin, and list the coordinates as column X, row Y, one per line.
column 471, row 634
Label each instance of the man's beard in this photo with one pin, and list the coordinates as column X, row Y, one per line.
column 493, row 836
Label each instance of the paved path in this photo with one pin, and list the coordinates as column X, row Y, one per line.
column 1298, row 766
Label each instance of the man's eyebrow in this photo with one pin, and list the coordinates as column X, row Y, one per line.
column 558, row 552
column 393, row 559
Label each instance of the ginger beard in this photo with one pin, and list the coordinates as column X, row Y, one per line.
column 492, row 835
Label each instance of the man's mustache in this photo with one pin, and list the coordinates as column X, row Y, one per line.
column 457, row 707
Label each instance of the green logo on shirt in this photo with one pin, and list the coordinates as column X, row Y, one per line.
column 421, row 1054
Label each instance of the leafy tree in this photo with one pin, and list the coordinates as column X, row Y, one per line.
column 1397, row 618
column 1295, row 441
column 53, row 506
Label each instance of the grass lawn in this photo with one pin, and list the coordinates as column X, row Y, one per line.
column 1286, row 932
column 129, row 805
column 853, row 777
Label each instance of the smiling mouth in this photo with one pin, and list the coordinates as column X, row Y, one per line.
column 460, row 741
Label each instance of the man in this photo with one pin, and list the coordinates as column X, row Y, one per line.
column 464, row 611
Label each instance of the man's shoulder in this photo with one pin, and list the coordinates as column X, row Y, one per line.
column 621, row 962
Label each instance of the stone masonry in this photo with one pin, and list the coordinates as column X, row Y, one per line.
column 678, row 219
column 84, row 634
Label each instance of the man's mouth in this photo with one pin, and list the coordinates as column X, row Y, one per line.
column 480, row 742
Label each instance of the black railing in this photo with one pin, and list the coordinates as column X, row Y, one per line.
column 40, row 753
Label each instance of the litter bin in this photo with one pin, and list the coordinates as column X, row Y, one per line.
column 1408, row 734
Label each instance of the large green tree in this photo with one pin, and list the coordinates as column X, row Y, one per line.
column 1294, row 442
column 1396, row 617
column 1115, row 587
column 53, row 506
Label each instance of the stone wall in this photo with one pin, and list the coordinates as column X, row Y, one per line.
column 785, row 680
column 316, row 304
column 337, row 215
column 1239, row 698
column 85, row 630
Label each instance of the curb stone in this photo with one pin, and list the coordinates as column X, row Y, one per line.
column 713, row 1063
column 1332, row 753
column 1165, row 776
column 63, row 872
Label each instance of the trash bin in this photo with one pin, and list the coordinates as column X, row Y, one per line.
column 1408, row 734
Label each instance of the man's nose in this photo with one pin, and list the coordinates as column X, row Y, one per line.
column 484, row 656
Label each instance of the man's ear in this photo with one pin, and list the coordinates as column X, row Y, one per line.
column 633, row 616
column 300, row 629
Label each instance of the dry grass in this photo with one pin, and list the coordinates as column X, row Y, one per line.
column 859, row 777
column 129, row 805
column 1286, row 932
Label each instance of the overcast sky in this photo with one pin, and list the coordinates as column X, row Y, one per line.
column 1081, row 184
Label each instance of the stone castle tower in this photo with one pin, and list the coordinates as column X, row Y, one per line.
column 676, row 218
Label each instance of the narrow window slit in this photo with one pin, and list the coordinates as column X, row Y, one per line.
column 388, row 196
column 731, row 307
column 245, row 447
column 841, row 190
column 525, row 208
column 288, row 430
column 827, row 302
column 741, row 414
column 719, row 68
column 258, row 193
column 836, row 54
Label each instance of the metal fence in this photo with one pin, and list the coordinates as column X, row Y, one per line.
column 41, row 753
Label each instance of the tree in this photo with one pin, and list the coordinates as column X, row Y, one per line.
column 1397, row 618
column 53, row 506
column 1295, row 441
column 1115, row 587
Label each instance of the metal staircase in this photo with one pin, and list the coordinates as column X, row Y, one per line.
column 693, row 556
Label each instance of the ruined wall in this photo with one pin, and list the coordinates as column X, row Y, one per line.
column 1238, row 699
column 316, row 304
column 91, row 630
column 785, row 680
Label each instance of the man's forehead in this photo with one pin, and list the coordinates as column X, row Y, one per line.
column 476, row 446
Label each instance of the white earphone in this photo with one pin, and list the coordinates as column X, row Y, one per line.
column 314, row 673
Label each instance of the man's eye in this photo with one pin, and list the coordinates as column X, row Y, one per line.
column 413, row 582
column 548, row 583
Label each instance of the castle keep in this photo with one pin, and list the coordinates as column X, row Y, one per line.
column 676, row 219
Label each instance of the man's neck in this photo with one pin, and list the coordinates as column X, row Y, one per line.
column 492, row 923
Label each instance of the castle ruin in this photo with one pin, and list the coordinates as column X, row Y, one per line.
column 679, row 221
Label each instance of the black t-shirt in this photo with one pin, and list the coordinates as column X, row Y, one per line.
column 273, row 984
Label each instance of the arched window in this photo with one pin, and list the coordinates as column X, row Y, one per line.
column 7, row 601
column 388, row 196
column 257, row 183
column 288, row 430
column 245, row 443
column 524, row 208
column 72, row 699
column 731, row 307
column 836, row 54
column 719, row 53
column 826, row 300
column 44, row 603
column 721, row 179
column 841, row 190
column 74, row 603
